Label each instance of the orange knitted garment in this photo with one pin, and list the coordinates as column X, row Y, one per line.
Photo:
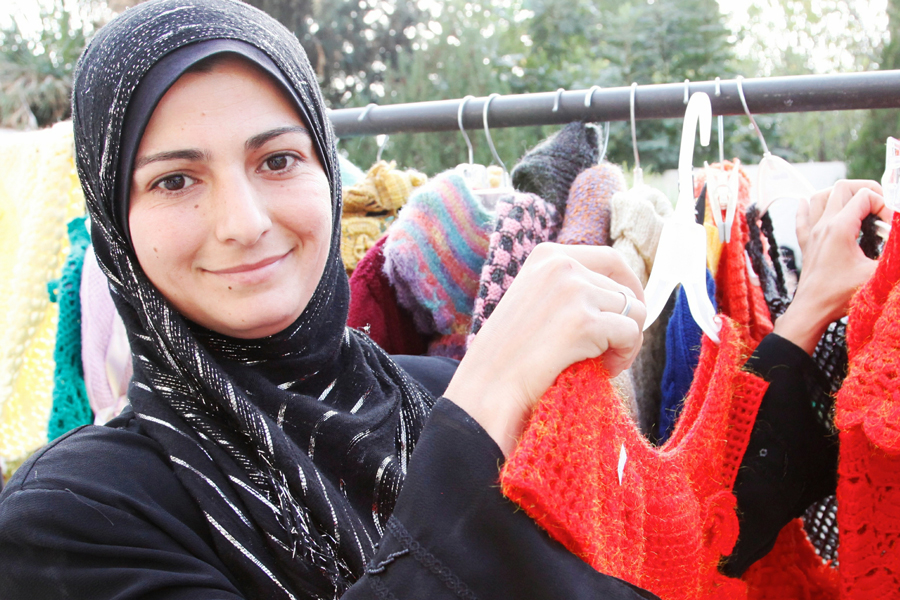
column 660, row 518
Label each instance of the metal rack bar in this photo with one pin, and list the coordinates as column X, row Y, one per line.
column 802, row 93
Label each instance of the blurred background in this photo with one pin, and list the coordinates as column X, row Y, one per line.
column 391, row 51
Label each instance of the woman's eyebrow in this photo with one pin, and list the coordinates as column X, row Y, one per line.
column 195, row 155
column 257, row 141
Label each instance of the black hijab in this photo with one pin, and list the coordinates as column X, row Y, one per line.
column 294, row 446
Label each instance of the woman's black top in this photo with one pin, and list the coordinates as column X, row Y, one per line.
column 99, row 512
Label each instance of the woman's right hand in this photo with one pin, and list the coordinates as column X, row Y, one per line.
column 564, row 306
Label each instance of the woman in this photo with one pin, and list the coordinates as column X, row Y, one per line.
column 267, row 445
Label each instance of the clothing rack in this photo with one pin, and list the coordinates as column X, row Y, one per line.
column 801, row 93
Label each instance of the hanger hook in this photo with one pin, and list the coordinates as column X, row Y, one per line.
column 587, row 104
column 721, row 124
column 637, row 158
column 382, row 141
column 459, row 119
column 740, row 86
column 687, row 90
column 559, row 94
column 365, row 112
column 487, row 132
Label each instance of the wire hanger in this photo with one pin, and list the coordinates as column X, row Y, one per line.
column 489, row 196
column 722, row 187
column 473, row 174
column 681, row 254
column 776, row 178
column 587, row 104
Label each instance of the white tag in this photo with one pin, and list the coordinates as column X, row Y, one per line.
column 890, row 181
column 623, row 457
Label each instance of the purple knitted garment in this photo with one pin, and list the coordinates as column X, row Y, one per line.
column 523, row 222
column 587, row 210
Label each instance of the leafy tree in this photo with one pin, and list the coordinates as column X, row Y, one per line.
column 866, row 153
column 663, row 42
column 795, row 37
column 466, row 49
column 36, row 70
column 350, row 43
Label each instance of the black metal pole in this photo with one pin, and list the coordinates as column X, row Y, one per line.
column 802, row 93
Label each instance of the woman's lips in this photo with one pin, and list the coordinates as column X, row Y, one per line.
column 252, row 273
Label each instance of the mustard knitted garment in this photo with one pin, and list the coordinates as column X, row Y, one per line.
column 371, row 205
column 39, row 194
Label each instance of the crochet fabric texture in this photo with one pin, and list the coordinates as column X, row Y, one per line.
column 71, row 407
column 371, row 205
column 39, row 194
column 867, row 413
column 660, row 518
column 523, row 222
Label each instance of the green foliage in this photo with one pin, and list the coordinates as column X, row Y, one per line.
column 36, row 71
column 350, row 43
column 475, row 53
column 867, row 153
column 665, row 42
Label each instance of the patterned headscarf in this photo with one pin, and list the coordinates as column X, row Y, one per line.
column 294, row 446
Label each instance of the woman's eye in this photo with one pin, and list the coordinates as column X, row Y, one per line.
column 173, row 183
column 279, row 162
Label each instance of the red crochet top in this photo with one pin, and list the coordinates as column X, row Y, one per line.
column 660, row 518
column 867, row 413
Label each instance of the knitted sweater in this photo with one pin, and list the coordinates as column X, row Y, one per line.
column 105, row 351
column 660, row 518
column 523, row 222
column 636, row 220
column 683, row 337
column 71, row 407
column 39, row 194
column 550, row 168
column 375, row 310
column 867, row 413
column 433, row 255
column 587, row 209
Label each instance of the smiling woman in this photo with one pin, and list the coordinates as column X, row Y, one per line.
column 268, row 450
column 232, row 224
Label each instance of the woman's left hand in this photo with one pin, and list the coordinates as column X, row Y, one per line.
column 834, row 266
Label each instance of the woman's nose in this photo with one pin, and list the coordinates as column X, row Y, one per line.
column 241, row 211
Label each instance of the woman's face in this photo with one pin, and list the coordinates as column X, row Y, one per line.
column 230, row 211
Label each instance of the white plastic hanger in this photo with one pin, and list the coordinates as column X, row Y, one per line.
column 473, row 174
column 776, row 178
column 638, row 172
column 681, row 255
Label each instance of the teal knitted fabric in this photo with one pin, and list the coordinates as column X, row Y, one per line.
column 71, row 407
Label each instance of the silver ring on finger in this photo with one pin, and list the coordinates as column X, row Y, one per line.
column 627, row 308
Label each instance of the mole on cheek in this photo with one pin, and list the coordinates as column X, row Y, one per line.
column 196, row 206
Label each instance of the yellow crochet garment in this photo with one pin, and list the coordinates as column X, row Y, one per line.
column 39, row 194
column 371, row 205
